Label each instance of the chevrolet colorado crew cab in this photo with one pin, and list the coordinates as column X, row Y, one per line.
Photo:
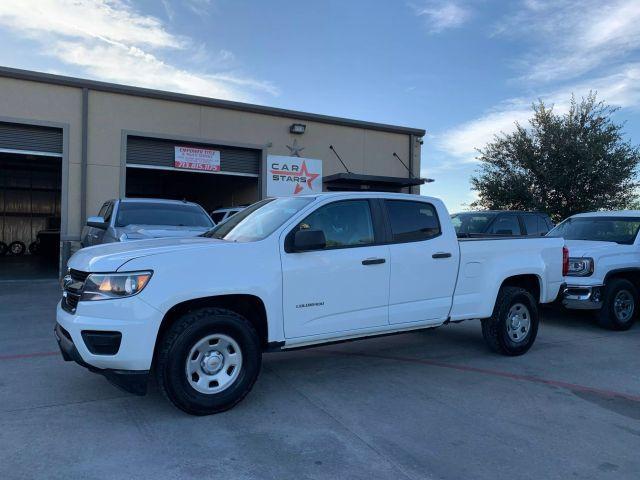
column 292, row 272
column 604, row 268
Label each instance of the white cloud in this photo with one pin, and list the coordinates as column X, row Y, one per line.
column 573, row 37
column 442, row 14
column 621, row 89
column 110, row 40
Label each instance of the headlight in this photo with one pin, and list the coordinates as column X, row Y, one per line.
column 580, row 267
column 103, row 286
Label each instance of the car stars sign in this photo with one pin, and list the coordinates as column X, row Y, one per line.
column 289, row 176
column 192, row 158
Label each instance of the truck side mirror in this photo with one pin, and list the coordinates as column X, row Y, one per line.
column 97, row 222
column 306, row 240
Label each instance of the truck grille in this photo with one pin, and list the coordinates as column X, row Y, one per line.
column 72, row 289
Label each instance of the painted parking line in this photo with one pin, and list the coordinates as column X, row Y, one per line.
column 497, row 373
column 28, row 355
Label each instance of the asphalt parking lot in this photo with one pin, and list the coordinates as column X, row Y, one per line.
column 433, row 404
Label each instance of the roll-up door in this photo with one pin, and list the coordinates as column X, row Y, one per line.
column 33, row 139
column 160, row 153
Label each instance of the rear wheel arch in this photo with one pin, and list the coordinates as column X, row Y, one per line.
column 530, row 282
column 632, row 274
column 250, row 307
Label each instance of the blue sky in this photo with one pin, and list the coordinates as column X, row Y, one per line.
column 462, row 70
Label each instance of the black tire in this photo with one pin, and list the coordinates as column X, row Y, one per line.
column 3, row 249
column 34, row 248
column 607, row 316
column 496, row 329
column 17, row 248
column 175, row 348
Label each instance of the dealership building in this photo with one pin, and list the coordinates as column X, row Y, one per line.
column 67, row 145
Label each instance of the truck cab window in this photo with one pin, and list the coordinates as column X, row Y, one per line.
column 506, row 225
column 345, row 224
column 412, row 221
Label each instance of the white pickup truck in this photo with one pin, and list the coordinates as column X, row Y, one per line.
column 293, row 272
column 604, row 268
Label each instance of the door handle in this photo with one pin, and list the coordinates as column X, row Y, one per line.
column 441, row 255
column 373, row 261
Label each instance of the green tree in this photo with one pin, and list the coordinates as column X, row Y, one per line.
column 561, row 164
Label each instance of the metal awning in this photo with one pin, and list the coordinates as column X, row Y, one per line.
column 356, row 182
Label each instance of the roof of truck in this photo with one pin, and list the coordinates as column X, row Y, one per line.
column 615, row 213
column 156, row 200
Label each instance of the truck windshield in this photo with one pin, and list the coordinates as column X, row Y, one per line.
column 158, row 213
column 472, row 222
column 259, row 220
column 603, row 229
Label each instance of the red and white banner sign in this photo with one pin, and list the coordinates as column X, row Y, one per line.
column 293, row 176
column 192, row 158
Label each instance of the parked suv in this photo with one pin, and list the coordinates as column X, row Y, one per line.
column 143, row 218
column 501, row 223
column 604, row 267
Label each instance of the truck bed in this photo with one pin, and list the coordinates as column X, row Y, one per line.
column 484, row 261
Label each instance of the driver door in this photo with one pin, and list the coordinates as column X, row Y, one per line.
column 343, row 287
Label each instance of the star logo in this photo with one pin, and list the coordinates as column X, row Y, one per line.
column 294, row 149
column 309, row 176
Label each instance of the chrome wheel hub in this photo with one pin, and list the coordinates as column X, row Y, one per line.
column 213, row 364
column 623, row 305
column 518, row 322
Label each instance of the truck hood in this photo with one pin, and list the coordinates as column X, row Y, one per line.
column 111, row 256
column 588, row 248
column 140, row 232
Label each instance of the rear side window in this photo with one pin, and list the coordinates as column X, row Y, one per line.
column 412, row 221
column 506, row 225
column 544, row 225
column 218, row 217
column 531, row 224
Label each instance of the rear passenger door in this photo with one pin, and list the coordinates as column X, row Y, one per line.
column 424, row 262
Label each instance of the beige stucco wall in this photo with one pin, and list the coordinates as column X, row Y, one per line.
column 40, row 102
column 364, row 151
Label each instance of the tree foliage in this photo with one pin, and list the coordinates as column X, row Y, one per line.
column 561, row 164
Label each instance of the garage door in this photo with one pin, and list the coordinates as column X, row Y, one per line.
column 19, row 138
column 159, row 153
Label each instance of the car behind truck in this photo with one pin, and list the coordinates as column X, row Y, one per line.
column 604, row 268
column 293, row 272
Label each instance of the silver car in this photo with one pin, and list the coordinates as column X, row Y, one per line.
column 143, row 218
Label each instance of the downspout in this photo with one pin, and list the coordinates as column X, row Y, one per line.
column 83, row 159
column 412, row 140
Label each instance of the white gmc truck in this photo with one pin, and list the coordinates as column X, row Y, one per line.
column 293, row 272
column 604, row 268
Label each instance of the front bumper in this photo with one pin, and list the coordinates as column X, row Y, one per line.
column 131, row 381
column 115, row 338
column 582, row 297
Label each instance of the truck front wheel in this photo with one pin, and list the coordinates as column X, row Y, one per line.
column 619, row 309
column 208, row 361
column 513, row 327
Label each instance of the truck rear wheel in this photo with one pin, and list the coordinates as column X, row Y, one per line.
column 208, row 361
column 513, row 327
column 620, row 305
